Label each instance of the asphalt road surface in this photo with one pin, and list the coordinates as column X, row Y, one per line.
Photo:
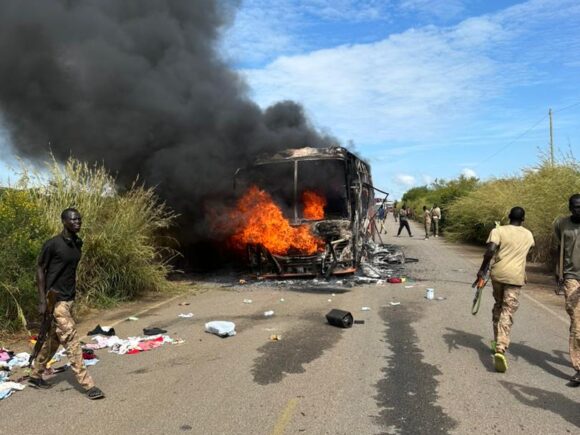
column 420, row 367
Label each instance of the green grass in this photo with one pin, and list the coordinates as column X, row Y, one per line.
column 471, row 208
column 123, row 251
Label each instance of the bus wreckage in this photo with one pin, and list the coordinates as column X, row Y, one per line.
column 325, row 198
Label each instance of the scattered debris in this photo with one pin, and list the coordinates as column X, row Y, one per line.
column 102, row 330
column 394, row 304
column 329, row 300
column 153, row 331
column 221, row 328
column 409, row 286
column 275, row 337
column 268, row 313
column 242, row 281
column 185, row 316
column 359, row 322
column 340, row 318
column 440, row 298
column 281, row 299
column 129, row 346
column 247, row 301
column 133, row 318
column 182, row 304
column 365, row 309
column 430, row 294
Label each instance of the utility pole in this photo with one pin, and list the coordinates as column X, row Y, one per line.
column 551, row 138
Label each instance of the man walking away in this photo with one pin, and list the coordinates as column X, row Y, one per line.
column 509, row 246
column 56, row 271
column 567, row 235
column 426, row 221
column 436, row 215
column 404, row 221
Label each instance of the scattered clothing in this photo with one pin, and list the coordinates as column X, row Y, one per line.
column 185, row 316
column 7, row 388
column 19, row 360
column 153, row 331
column 221, row 328
column 102, row 330
column 131, row 345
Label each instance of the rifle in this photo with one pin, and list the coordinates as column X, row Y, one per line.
column 478, row 285
column 559, row 287
column 44, row 326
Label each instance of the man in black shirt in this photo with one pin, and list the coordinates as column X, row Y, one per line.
column 57, row 268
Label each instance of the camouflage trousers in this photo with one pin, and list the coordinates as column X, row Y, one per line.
column 572, row 292
column 63, row 332
column 506, row 304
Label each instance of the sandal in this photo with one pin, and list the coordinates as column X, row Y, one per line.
column 95, row 393
column 500, row 362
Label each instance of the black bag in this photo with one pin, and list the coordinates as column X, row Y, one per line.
column 340, row 318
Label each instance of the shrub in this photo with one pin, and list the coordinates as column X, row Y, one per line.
column 123, row 255
column 542, row 191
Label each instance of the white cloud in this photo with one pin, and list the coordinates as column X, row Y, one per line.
column 427, row 179
column 263, row 29
column 469, row 173
column 405, row 180
column 419, row 86
column 443, row 9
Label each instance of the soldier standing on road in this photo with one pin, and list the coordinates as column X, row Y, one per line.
column 395, row 211
column 509, row 245
column 404, row 221
column 567, row 235
column 426, row 221
column 436, row 215
column 57, row 267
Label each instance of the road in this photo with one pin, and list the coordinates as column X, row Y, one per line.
column 421, row 367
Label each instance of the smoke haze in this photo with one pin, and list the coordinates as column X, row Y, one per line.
column 138, row 85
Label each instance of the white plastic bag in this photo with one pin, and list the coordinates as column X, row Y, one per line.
column 221, row 328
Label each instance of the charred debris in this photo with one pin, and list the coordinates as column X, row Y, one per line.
column 350, row 242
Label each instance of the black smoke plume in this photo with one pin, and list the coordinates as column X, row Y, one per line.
column 139, row 86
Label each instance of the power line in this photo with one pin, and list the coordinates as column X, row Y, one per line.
column 567, row 107
column 515, row 139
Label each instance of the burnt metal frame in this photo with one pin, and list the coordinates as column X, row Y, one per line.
column 358, row 184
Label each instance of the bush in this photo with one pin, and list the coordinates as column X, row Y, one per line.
column 122, row 253
column 543, row 192
column 441, row 192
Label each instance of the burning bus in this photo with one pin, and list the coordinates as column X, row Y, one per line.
column 304, row 212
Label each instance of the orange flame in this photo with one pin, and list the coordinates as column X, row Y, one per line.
column 313, row 205
column 262, row 222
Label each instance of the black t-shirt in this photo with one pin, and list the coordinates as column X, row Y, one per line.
column 59, row 258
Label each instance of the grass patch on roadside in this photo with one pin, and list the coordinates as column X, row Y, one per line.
column 124, row 254
column 471, row 208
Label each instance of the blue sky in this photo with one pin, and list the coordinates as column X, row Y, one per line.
column 424, row 88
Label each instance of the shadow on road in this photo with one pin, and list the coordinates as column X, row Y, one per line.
column 554, row 402
column 457, row 339
column 541, row 359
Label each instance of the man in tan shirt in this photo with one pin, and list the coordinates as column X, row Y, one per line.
column 508, row 245
column 567, row 236
column 436, row 215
